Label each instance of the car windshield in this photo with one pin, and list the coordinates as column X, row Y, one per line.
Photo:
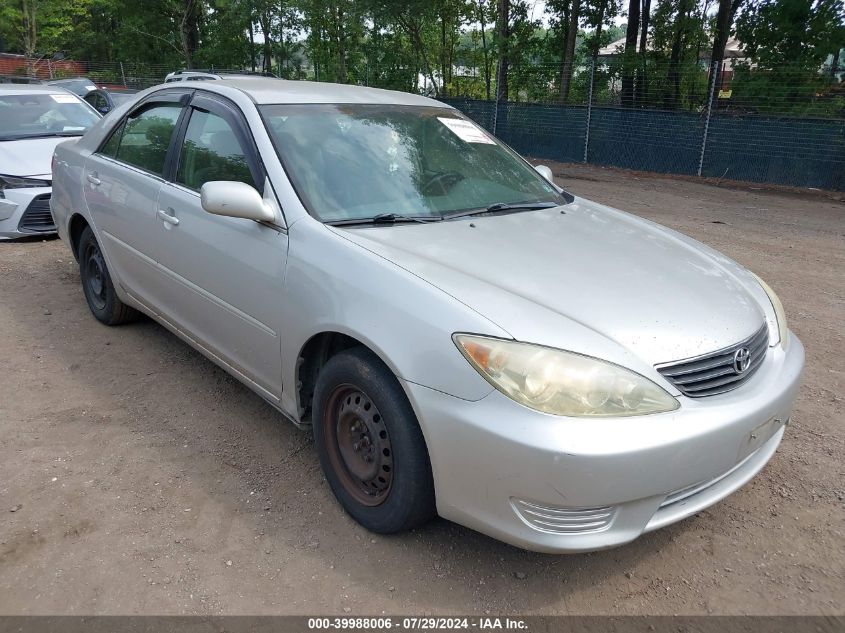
column 351, row 162
column 43, row 114
column 121, row 97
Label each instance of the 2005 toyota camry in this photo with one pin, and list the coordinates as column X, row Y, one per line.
column 464, row 337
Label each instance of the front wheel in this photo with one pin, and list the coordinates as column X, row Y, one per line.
column 370, row 444
column 97, row 284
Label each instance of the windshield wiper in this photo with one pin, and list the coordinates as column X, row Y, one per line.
column 499, row 207
column 383, row 218
column 21, row 137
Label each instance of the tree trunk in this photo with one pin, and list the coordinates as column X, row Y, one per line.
column 487, row 78
column 443, row 49
column 412, row 28
column 673, row 95
column 30, row 33
column 724, row 20
column 267, row 61
column 597, row 34
column 564, row 21
column 342, row 75
column 630, row 55
column 569, row 51
column 190, row 31
column 645, row 18
column 252, row 43
column 503, row 34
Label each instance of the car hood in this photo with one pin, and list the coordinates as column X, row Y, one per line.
column 660, row 295
column 28, row 157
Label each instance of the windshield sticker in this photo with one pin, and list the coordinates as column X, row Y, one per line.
column 64, row 98
column 90, row 87
column 466, row 131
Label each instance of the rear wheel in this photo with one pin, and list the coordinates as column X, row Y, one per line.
column 370, row 444
column 97, row 284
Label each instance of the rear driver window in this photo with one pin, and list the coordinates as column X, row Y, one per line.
column 146, row 137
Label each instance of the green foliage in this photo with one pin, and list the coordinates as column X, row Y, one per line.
column 451, row 47
column 794, row 33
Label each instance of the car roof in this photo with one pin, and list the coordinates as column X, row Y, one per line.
column 27, row 89
column 267, row 90
column 68, row 80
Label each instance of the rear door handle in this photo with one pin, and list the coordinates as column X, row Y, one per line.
column 92, row 178
column 167, row 216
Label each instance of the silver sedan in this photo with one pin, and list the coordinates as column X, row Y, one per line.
column 463, row 337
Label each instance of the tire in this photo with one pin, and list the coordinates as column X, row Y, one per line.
column 97, row 284
column 360, row 411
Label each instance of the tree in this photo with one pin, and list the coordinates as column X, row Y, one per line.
column 502, row 36
column 795, row 33
column 645, row 16
column 630, row 54
column 569, row 50
column 482, row 10
column 722, row 30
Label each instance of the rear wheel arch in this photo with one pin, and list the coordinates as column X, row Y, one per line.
column 76, row 227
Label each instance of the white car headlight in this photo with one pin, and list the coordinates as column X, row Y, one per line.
column 780, row 315
column 562, row 383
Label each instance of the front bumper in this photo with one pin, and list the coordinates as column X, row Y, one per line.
column 555, row 484
column 26, row 212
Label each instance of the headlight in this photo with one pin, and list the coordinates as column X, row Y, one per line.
column 562, row 383
column 16, row 182
column 780, row 315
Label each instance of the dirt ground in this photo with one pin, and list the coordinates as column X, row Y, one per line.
column 138, row 478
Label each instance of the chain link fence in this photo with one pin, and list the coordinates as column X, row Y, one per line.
column 732, row 121
column 729, row 121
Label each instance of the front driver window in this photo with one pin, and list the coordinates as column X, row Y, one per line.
column 211, row 151
column 146, row 137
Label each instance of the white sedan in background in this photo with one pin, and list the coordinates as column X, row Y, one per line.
column 33, row 120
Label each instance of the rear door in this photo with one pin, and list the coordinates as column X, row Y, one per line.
column 122, row 184
column 224, row 275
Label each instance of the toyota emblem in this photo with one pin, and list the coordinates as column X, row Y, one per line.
column 742, row 359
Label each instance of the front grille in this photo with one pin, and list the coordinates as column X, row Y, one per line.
column 716, row 372
column 563, row 520
column 37, row 218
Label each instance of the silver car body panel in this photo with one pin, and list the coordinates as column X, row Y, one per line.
column 591, row 279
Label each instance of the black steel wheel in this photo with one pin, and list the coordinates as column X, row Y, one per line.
column 97, row 284
column 370, row 444
column 358, row 445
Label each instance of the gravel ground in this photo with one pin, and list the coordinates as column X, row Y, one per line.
column 136, row 477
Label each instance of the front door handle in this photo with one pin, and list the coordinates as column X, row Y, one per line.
column 92, row 178
column 167, row 216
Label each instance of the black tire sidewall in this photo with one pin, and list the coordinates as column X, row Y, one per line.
column 410, row 502
column 106, row 314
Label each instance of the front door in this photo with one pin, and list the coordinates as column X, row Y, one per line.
column 225, row 276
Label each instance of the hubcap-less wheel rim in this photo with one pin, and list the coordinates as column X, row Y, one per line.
column 95, row 276
column 358, row 445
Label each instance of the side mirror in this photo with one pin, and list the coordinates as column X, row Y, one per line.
column 235, row 200
column 545, row 172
